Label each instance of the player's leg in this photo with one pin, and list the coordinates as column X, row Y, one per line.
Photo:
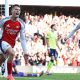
column 2, row 59
column 2, row 52
column 56, row 56
column 3, row 68
column 52, row 53
column 51, row 62
column 10, row 53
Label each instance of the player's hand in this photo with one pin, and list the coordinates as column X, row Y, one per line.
column 63, row 41
column 26, row 58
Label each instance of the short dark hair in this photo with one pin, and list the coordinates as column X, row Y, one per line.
column 36, row 34
column 15, row 5
column 52, row 26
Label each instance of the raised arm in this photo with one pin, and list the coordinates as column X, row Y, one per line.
column 73, row 31
column 77, row 27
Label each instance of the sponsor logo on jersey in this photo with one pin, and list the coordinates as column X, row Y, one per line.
column 11, row 31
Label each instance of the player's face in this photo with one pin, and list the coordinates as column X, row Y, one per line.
column 54, row 29
column 16, row 11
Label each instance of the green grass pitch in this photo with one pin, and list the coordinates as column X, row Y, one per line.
column 57, row 76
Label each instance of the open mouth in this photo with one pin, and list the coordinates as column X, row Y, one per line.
column 17, row 13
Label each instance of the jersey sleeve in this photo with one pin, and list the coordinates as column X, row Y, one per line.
column 48, row 35
column 22, row 38
column 2, row 21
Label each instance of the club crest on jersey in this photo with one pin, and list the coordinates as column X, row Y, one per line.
column 17, row 26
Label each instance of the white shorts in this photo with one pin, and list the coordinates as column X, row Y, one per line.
column 5, row 46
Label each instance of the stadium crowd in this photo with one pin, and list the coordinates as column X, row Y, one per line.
column 36, row 28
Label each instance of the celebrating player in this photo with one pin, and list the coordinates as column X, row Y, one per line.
column 11, row 27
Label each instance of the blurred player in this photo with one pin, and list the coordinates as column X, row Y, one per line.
column 49, row 67
column 11, row 27
column 51, row 39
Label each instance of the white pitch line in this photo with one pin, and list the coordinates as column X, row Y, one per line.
column 25, row 78
column 36, row 79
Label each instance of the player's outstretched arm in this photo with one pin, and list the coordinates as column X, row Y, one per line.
column 71, row 33
column 24, row 43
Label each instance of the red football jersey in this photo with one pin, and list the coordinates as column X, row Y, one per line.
column 10, row 31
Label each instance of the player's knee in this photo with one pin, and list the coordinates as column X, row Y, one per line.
column 12, row 54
